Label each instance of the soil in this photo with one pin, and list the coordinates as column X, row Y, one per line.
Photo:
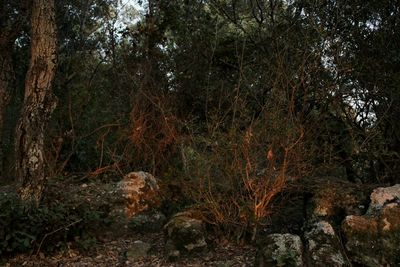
column 111, row 252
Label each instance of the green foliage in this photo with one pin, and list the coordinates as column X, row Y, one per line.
column 45, row 228
column 177, row 90
column 85, row 241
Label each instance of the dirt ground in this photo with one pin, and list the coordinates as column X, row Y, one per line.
column 112, row 245
column 112, row 253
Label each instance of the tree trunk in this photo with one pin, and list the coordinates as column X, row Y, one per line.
column 38, row 104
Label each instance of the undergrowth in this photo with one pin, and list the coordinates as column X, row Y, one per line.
column 46, row 228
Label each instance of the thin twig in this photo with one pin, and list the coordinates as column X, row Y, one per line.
column 53, row 232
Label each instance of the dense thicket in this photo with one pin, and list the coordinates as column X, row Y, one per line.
column 228, row 98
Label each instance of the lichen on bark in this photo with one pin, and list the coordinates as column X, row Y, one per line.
column 38, row 104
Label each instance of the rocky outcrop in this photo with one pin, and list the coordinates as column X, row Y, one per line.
column 280, row 250
column 362, row 239
column 184, row 234
column 373, row 239
column 323, row 246
column 140, row 192
column 370, row 230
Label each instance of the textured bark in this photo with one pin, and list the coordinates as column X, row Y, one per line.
column 39, row 102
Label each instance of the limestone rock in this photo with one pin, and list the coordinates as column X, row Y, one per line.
column 323, row 246
column 390, row 233
column 363, row 241
column 140, row 192
column 382, row 196
column 184, row 234
column 280, row 250
column 373, row 239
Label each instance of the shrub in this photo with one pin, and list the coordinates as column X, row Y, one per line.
column 47, row 227
column 236, row 177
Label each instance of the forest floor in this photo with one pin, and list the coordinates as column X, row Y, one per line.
column 112, row 244
column 110, row 252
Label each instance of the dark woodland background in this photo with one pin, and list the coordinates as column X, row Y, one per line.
column 223, row 101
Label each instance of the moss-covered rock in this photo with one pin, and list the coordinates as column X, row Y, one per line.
column 280, row 250
column 390, row 233
column 184, row 234
column 323, row 246
column 363, row 241
column 373, row 239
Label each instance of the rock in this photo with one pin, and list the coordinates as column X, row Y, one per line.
column 373, row 239
column 382, row 196
column 184, row 234
column 323, row 246
column 137, row 251
column 335, row 199
column 362, row 239
column 280, row 250
column 140, row 192
column 147, row 222
column 171, row 251
column 390, row 218
column 390, row 233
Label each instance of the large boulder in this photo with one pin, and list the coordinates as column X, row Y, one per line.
column 280, row 250
column 140, row 192
column 184, row 234
column 373, row 239
column 323, row 246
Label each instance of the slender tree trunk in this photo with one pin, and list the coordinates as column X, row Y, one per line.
column 39, row 102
